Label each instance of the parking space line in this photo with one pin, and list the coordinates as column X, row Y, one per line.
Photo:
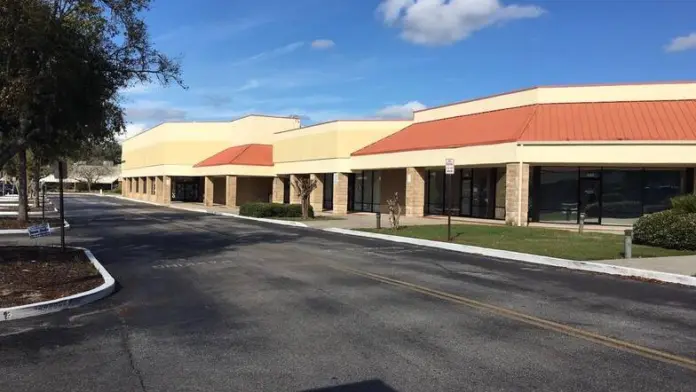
column 607, row 341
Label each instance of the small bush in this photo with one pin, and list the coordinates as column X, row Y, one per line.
column 669, row 229
column 685, row 204
column 273, row 210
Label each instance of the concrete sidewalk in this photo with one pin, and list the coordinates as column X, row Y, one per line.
column 681, row 265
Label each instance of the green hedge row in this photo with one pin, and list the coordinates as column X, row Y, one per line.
column 671, row 229
column 273, row 210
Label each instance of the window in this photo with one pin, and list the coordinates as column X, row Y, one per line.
column 659, row 187
column 436, row 188
column 366, row 193
column 558, row 194
column 615, row 196
column 621, row 196
column 153, row 186
column 137, row 185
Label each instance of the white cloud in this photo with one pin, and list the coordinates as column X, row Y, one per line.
column 132, row 130
column 322, row 44
column 682, row 43
column 273, row 53
column 249, row 85
column 404, row 111
column 439, row 22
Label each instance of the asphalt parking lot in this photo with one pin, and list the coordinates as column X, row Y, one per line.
column 209, row 303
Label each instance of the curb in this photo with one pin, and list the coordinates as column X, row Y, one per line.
column 529, row 258
column 73, row 301
column 227, row 214
column 24, row 231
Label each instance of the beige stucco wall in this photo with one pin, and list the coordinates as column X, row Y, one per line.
column 609, row 154
column 254, row 189
column 473, row 155
column 177, row 146
column 542, row 95
column 236, row 170
column 326, row 148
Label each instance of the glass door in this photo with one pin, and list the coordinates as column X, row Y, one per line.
column 327, row 204
column 589, row 191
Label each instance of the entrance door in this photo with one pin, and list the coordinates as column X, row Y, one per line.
column 327, row 204
column 589, row 200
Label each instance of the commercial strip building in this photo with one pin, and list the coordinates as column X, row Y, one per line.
column 543, row 154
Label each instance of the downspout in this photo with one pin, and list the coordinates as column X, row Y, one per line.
column 519, row 188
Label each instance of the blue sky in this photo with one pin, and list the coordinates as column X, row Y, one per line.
column 342, row 59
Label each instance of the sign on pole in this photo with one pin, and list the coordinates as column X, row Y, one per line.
column 449, row 166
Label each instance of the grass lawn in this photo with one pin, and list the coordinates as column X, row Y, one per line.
column 546, row 242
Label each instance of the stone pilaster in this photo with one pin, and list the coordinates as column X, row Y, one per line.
column 166, row 190
column 340, row 193
column 316, row 198
column 148, row 189
column 208, row 191
column 294, row 198
column 159, row 187
column 231, row 191
column 415, row 191
column 278, row 189
column 516, row 194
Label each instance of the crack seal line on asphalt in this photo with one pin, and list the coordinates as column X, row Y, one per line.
column 632, row 348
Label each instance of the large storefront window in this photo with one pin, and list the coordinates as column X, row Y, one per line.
column 475, row 193
column 365, row 189
column 187, row 189
column 614, row 196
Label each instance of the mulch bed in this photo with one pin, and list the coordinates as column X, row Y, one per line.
column 10, row 222
column 34, row 274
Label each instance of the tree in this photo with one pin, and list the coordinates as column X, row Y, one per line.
column 304, row 187
column 64, row 62
column 90, row 174
column 394, row 211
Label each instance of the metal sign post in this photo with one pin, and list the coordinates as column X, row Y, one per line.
column 43, row 202
column 449, row 171
column 61, row 173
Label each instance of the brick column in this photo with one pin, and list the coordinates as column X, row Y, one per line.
column 166, row 190
column 148, row 189
column 159, row 187
column 138, row 187
column 124, row 182
column 278, row 188
column 316, row 198
column 208, row 191
column 415, row 191
column 516, row 194
column 231, row 191
column 340, row 193
column 294, row 199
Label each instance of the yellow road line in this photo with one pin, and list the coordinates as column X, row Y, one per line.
column 622, row 345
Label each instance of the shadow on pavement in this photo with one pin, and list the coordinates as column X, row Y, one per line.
column 363, row 386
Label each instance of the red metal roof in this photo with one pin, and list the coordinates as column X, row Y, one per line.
column 596, row 121
column 247, row 154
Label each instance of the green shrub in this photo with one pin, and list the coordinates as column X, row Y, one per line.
column 669, row 229
column 685, row 204
column 273, row 210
